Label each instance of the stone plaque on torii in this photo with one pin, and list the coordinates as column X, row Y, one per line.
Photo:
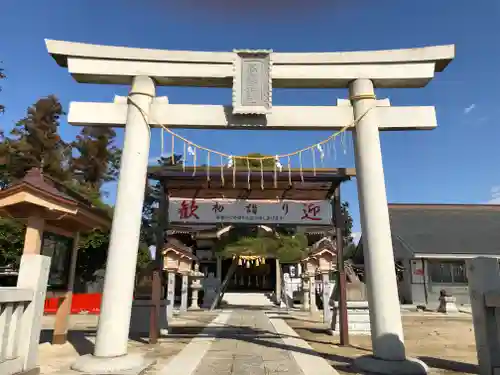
column 360, row 72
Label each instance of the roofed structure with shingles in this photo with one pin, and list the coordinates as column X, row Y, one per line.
column 444, row 229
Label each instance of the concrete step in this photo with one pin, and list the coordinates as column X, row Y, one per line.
column 247, row 299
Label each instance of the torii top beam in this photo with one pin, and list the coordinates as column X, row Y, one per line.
column 89, row 63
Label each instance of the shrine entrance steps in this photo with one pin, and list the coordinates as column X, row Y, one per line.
column 247, row 299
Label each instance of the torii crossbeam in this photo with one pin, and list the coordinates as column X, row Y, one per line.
column 282, row 117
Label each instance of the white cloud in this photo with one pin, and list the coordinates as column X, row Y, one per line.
column 356, row 237
column 495, row 195
column 468, row 109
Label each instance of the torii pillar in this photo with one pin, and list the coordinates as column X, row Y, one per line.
column 111, row 352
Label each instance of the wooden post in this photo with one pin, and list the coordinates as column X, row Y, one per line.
column 34, row 234
column 64, row 309
column 162, row 214
column 339, row 226
column 225, row 283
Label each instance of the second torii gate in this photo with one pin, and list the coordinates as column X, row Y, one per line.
column 252, row 74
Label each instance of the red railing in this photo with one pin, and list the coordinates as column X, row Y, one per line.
column 89, row 303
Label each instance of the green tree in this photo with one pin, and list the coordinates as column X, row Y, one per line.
column 11, row 241
column 4, row 149
column 347, row 232
column 151, row 202
column 36, row 142
column 255, row 163
column 98, row 158
column 250, row 240
column 2, row 76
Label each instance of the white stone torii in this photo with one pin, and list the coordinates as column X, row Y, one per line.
column 358, row 71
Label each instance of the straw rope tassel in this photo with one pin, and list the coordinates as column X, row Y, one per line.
column 289, row 172
column 342, row 141
column 172, row 154
column 162, row 147
column 194, row 161
column 234, row 174
column 248, row 174
column 222, row 170
column 300, row 167
column 313, row 152
column 184, row 157
column 275, row 176
column 261, row 174
column 297, row 152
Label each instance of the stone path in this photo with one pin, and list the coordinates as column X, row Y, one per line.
column 248, row 343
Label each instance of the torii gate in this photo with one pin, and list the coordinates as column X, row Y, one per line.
column 360, row 72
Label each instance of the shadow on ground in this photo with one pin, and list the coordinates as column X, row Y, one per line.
column 81, row 340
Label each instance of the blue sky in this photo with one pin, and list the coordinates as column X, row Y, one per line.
column 458, row 162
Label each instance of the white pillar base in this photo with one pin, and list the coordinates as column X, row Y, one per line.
column 129, row 364
column 410, row 366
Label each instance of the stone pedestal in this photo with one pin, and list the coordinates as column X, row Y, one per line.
column 278, row 289
column 447, row 303
column 287, row 301
column 196, row 277
column 327, row 293
column 312, row 293
column 484, row 289
column 170, row 294
column 184, row 293
column 141, row 314
column 195, row 288
column 371, row 365
column 358, row 318
column 306, row 289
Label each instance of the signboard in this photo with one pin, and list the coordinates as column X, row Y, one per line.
column 252, row 82
column 212, row 211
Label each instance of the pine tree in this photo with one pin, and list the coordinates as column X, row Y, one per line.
column 4, row 150
column 97, row 160
column 151, row 202
column 36, row 142
column 2, row 76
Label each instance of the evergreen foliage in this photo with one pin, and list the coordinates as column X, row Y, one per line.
column 82, row 165
column 240, row 241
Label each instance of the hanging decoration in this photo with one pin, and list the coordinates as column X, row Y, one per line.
column 248, row 174
column 328, row 145
column 208, row 168
column 222, row 171
column 248, row 261
column 313, row 152
column 184, row 158
column 162, row 148
column 172, row 154
column 321, row 154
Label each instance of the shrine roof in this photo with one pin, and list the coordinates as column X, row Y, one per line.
column 64, row 210
column 203, row 182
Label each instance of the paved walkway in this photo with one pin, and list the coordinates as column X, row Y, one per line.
column 244, row 342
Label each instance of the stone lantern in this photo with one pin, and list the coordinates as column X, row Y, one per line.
column 196, row 277
column 310, row 265
column 324, row 252
column 177, row 258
